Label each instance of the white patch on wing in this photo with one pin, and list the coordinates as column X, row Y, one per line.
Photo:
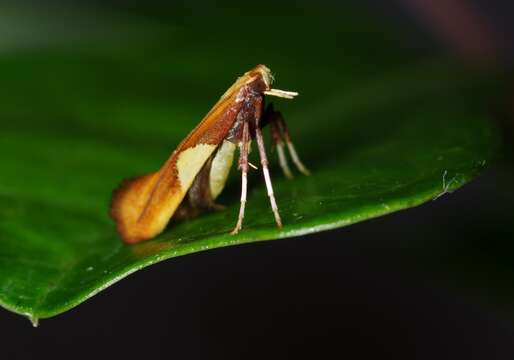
column 220, row 168
column 190, row 162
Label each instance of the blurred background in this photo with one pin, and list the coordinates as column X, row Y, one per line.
column 435, row 281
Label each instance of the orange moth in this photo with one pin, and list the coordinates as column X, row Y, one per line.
column 195, row 173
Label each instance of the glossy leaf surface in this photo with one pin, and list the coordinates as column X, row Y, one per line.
column 380, row 128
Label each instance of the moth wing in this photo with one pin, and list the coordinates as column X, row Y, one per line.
column 142, row 206
column 128, row 202
column 220, row 168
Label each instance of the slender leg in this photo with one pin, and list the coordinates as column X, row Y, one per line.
column 276, row 136
column 244, row 145
column 292, row 151
column 264, row 162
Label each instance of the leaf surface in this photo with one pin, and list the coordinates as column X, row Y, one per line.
column 381, row 129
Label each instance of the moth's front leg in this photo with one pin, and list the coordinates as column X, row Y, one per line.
column 264, row 160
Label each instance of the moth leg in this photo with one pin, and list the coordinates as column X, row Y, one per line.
column 281, row 124
column 264, row 161
column 244, row 146
column 278, row 141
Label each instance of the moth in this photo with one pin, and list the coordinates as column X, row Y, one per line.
column 196, row 172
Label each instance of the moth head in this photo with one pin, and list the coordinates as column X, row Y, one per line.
column 265, row 75
column 260, row 75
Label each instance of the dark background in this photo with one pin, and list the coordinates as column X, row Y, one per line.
column 433, row 282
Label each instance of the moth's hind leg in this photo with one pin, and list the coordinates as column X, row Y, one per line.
column 278, row 141
column 280, row 135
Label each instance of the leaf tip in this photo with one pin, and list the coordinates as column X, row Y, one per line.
column 33, row 320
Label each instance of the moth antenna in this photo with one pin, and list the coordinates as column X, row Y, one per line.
column 281, row 93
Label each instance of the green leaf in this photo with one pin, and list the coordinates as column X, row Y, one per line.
column 381, row 129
